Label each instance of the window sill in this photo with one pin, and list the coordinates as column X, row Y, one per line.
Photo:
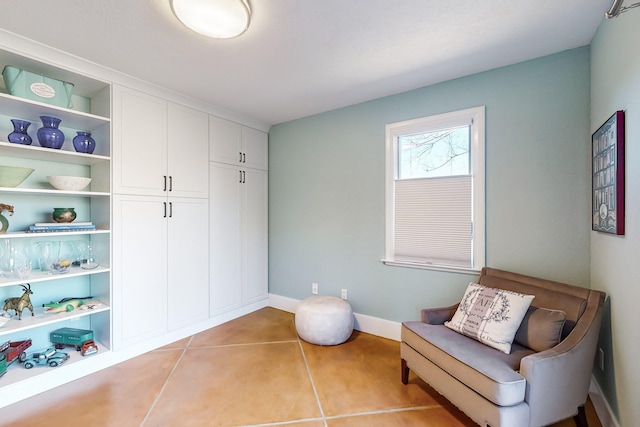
column 433, row 267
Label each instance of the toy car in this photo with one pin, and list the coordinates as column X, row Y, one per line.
column 49, row 357
column 88, row 347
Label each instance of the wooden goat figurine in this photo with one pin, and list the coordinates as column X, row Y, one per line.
column 19, row 304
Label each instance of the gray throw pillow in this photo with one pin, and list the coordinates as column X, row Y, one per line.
column 541, row 328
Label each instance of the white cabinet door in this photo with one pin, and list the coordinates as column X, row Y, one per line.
column 238, row 237
column 188, row 261
column 225, row 139
column 139, row 269
column 255, row 236
column 225, row 238
column 139, row 143
column 188, row 135
column 238, row 145
column 255, row 148
column 160, row 148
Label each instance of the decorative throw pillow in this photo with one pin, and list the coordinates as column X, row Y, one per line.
column 541, row 328
column 491, row 316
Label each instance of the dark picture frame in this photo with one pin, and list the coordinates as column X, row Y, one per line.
column 607, row 169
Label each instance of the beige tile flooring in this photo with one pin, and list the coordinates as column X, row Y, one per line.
column 252, row 371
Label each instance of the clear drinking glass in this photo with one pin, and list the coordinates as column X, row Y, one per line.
column 90, row 261
column 48, row 254
column 15, row 262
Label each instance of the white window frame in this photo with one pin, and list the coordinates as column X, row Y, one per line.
column 471, row 116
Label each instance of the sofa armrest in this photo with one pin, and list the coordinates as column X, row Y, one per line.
column 558, row 379
column 437, row 316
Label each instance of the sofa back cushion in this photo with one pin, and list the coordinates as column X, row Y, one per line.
column 548, row 294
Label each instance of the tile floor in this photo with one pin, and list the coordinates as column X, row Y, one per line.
column 252, row 371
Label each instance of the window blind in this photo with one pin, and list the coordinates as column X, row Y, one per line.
column 433, row 221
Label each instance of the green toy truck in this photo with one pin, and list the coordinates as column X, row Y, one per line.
column 70, row 337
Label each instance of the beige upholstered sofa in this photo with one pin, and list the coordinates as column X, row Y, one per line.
column 525, row 387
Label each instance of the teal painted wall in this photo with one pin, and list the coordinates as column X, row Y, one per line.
column 326, row 188
column 615, row 266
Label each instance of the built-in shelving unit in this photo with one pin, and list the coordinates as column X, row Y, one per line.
column 34, row 200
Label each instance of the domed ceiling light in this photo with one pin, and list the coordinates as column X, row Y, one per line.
column 219, row 19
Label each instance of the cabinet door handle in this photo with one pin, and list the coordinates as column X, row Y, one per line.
column 240, row 158
column 165, row 209
column 240, row 181
column 165, row 183
column 170, row 209
column 170, row 183
column 244, row 157
column 244, row 177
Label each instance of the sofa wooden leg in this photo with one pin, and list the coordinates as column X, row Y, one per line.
column 405, row 371
column 581, row 417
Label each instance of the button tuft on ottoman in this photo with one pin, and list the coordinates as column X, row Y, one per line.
column 324, row 320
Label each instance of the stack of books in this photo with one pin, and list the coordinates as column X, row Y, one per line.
column 54, row 227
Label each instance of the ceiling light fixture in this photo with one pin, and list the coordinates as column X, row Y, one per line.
column 616, row 9
column 219, row 19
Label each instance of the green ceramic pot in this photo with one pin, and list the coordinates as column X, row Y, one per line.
column 64, row 214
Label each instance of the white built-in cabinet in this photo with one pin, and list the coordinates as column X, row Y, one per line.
column 165, row 150
column 33, row 201
column 161, row 213
column 238, row 215
column 160, row 266
column 234, row 144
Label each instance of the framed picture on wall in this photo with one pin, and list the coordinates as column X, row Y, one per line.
column 607, row 168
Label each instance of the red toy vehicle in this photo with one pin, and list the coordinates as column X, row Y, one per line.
column 88, row 347
column 12, row 351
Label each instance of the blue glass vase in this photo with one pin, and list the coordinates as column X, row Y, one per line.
column 49, row 135
column 19, row 134
column 84, row 143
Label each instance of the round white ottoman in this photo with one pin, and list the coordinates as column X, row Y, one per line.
column 324, row 320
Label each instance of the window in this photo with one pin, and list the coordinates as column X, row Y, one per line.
column 435, row 191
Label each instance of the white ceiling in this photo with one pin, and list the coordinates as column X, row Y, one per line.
column 302, row 57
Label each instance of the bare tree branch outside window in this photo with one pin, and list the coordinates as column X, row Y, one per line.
column 434, row 154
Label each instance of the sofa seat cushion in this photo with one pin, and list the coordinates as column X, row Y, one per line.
column 488, row 371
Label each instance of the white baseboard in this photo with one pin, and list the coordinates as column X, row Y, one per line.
column 283, row 303
column 371, row 325
column 600, row 404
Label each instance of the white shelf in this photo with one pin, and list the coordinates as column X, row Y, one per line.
column 16, row 372
column 46, row 191
column 25, row 235
column 38, row 276
column 50, row 154
column 40, row 318
column 26, row 109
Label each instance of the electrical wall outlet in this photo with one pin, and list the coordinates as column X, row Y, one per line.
column 314, row 288
column 601, row 359
column 344, row 294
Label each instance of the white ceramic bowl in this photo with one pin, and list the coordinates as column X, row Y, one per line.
column 68, row 183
